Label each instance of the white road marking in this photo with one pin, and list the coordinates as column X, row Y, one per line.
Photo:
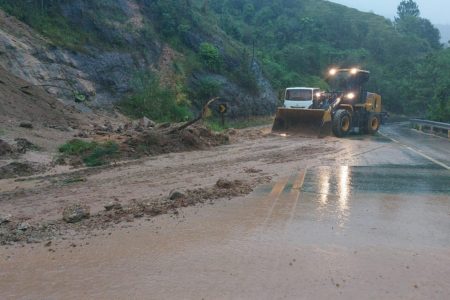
column 418, row 152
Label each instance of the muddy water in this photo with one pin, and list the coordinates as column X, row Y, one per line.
column 326, row 232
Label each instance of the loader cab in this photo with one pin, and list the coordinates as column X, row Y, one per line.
column 300, row 97
column 350, row 83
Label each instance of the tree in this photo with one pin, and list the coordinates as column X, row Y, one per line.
column 210, row 56
column 421, row 28
column 408, row 8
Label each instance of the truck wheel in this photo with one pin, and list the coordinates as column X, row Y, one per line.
column 373, row 124
column 342, row 123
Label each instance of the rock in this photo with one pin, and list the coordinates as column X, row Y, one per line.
column 100, row 128
column 23, row 145
column 119, row 129
column 5, row 219
column 224, row 183
column 231, row 131
column 23, row 226
column 113, row 206
column 164, row 125
column 81, row 134
column 75, row 213
column 128, row 126
column 5, row 148
column 108, row 126
column 176, row 195
column 146, row 123
column 27, row 125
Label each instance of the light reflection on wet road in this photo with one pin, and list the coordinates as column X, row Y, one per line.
column 344, row 232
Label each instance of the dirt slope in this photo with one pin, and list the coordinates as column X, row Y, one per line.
column 20, row 102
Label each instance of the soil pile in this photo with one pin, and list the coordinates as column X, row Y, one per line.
column 77, row 218
column 20, row 102
column 107, row 144
column 18, row 169
column 166, row 140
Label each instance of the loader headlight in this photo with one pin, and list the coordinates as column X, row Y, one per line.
column 333, row 72
column 350, row 96
column 318, row 94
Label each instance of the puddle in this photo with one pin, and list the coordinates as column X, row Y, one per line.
column 390, row 179
column 364, row 137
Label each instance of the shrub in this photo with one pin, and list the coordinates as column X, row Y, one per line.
column 210, row 56
column 153, row 101
column 91, row 153
column 76, row 147
column 101, row 154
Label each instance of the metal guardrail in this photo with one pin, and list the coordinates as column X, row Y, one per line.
column 438, row 128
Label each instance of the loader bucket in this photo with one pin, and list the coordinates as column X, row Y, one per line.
column 305, row 122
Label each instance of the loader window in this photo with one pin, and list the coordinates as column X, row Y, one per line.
column 299, row 95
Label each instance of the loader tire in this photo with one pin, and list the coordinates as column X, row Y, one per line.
column 373, row 124
column 342, row 123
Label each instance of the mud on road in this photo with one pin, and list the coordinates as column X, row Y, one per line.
column 143, row 188
column 354, row 218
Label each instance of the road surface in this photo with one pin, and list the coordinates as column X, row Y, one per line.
column 368, row 220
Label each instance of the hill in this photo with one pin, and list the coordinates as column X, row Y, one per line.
column 166, row 58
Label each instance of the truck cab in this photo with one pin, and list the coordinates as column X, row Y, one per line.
column 300, row 97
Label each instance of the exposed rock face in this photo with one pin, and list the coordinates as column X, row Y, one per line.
column 101, row 73
column 102, row 76
column 242, row 103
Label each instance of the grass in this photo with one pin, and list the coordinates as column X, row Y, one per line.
column 215, row 124
column 92, row 154
column 101, row 154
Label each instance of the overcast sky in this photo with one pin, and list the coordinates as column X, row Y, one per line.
column 438, row 11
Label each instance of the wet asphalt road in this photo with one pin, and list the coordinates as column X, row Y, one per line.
column 378, row 228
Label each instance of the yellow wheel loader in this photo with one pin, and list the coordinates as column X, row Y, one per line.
column 348, row 105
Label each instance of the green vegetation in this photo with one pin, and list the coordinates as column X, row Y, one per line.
column 91, row 153
column 294, row 41
column 76, row 147
column 154, row 101
column 297, row 41
column 210, row 56
column 46, row 18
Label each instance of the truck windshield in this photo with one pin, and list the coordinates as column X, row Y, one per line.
column 345, row 81
column 299, row 95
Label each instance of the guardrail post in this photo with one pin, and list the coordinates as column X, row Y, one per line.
column 432, row 127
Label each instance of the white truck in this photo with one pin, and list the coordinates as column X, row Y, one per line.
column 300, row 97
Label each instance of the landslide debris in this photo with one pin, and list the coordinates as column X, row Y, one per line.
column 166, row 140
column 19, row 169
column 5, row 148
column 130, row 141
column 76, row 213
column 77, row 217
column 34, row 106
